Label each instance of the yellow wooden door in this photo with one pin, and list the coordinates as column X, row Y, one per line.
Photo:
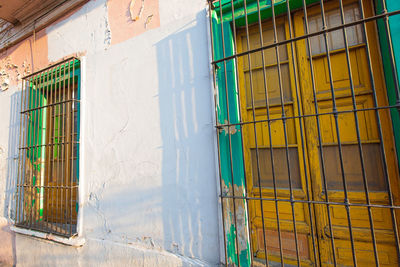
column 334, row 220
column 331, row 146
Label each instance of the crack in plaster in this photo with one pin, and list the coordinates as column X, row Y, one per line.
column 188, row 261
column 107, row 33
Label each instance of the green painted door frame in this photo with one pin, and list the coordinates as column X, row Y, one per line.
column 394, row 31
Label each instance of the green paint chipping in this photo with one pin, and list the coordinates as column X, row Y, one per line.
column 280, row 7
column 238, row 249
column 394, row 24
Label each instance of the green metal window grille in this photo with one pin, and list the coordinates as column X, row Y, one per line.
column 48, row 169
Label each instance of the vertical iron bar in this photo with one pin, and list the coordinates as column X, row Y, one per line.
column 241, row 137
column 52, row 158
column 353, row 96
column 35, row 124
column 58, row 134
column 269, row 122
column 229, row 133
column 71, row 155
column 68, row 150
column 40, row 148
column 319, row 137
column 284, row 128
column 48, row 148
column 64, row 178
column 335, row 115
column 291, row 35
column 256, row 140
column 28, row 177
column 382, row 145
column 35, row 119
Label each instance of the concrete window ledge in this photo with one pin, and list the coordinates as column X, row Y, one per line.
column 75, row 241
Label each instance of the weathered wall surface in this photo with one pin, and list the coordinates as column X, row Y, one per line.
column 148, row 169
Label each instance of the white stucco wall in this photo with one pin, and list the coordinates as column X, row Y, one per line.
column 148, row 171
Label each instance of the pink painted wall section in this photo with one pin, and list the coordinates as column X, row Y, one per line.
column 129, row 18
column 7, row 246
column 22, row 59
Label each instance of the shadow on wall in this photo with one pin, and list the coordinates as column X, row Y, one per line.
column 189, row 197
column 7, row 250
column 12, row 158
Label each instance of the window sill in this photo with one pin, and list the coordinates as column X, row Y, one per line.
column 75, row 241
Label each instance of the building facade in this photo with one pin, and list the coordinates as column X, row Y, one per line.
column 147, row 163
column 199, row 133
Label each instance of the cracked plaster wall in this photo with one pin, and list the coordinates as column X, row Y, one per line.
column 149, row 168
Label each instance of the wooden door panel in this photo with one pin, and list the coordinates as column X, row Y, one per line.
column 365, row 254
column 340, row 76
column 366, row 120
column 359, row 217
column 285, row 211
column 288, row 245
column 277, row 128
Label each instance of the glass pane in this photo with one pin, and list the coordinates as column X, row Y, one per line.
column 268, row 38
column 335, row 38
column 280, row 167
column 272, row 80
column 352, row 167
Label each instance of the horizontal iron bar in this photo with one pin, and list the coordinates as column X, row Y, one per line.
column 49, row 67
column 49, row 105
column 312, row 202
column 346, row 25
column 50, row 144
column 221, row 126
column 47, row 186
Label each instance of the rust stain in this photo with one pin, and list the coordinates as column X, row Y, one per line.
column 129, row 18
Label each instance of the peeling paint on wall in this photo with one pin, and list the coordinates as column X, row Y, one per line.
column 22, row 59
column 129, row 18
column 12, row 73
column 132, row 10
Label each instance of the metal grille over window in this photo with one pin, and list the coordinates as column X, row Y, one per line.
column 307, row 110
column 48, row 170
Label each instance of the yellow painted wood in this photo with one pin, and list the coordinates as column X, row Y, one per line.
column 60, row 201
column 369, row 135
column 368, row 124
column 278, row 141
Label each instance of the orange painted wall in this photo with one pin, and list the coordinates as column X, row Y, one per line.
column 120, row 21
column 25, row 57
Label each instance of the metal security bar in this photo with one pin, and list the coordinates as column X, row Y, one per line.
column 48, row 170
column 307, row 107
